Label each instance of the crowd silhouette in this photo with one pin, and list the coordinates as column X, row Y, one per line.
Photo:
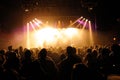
column 70, row 63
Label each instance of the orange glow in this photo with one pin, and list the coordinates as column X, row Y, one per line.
column 28, row 39
column 50, row 36
column 114, row 38
column 47, row 36
column 91, row 36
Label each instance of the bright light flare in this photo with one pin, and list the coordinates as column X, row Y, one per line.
column 38, row 24
column 71, row 32
column 46, row 35
column 51, row 36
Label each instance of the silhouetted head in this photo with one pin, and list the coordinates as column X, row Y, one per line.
column 89, row 50
column 94, row 53
column 74, row 50
column 9, row 48
column 2, row 52
column 28, row 53
column 20, row 48
column 69, row 50
column 42, row 53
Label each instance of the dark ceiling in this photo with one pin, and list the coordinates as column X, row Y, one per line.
column 12, row 12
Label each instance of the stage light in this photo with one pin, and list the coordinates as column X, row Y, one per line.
column 26, row 10
column 83, row 19
column 114, row 38
column 37, row 24
column 38, row 21
column 90, row 33
column 28, row 36
column 33, row 26
column 76, row 21
column 49, row 36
